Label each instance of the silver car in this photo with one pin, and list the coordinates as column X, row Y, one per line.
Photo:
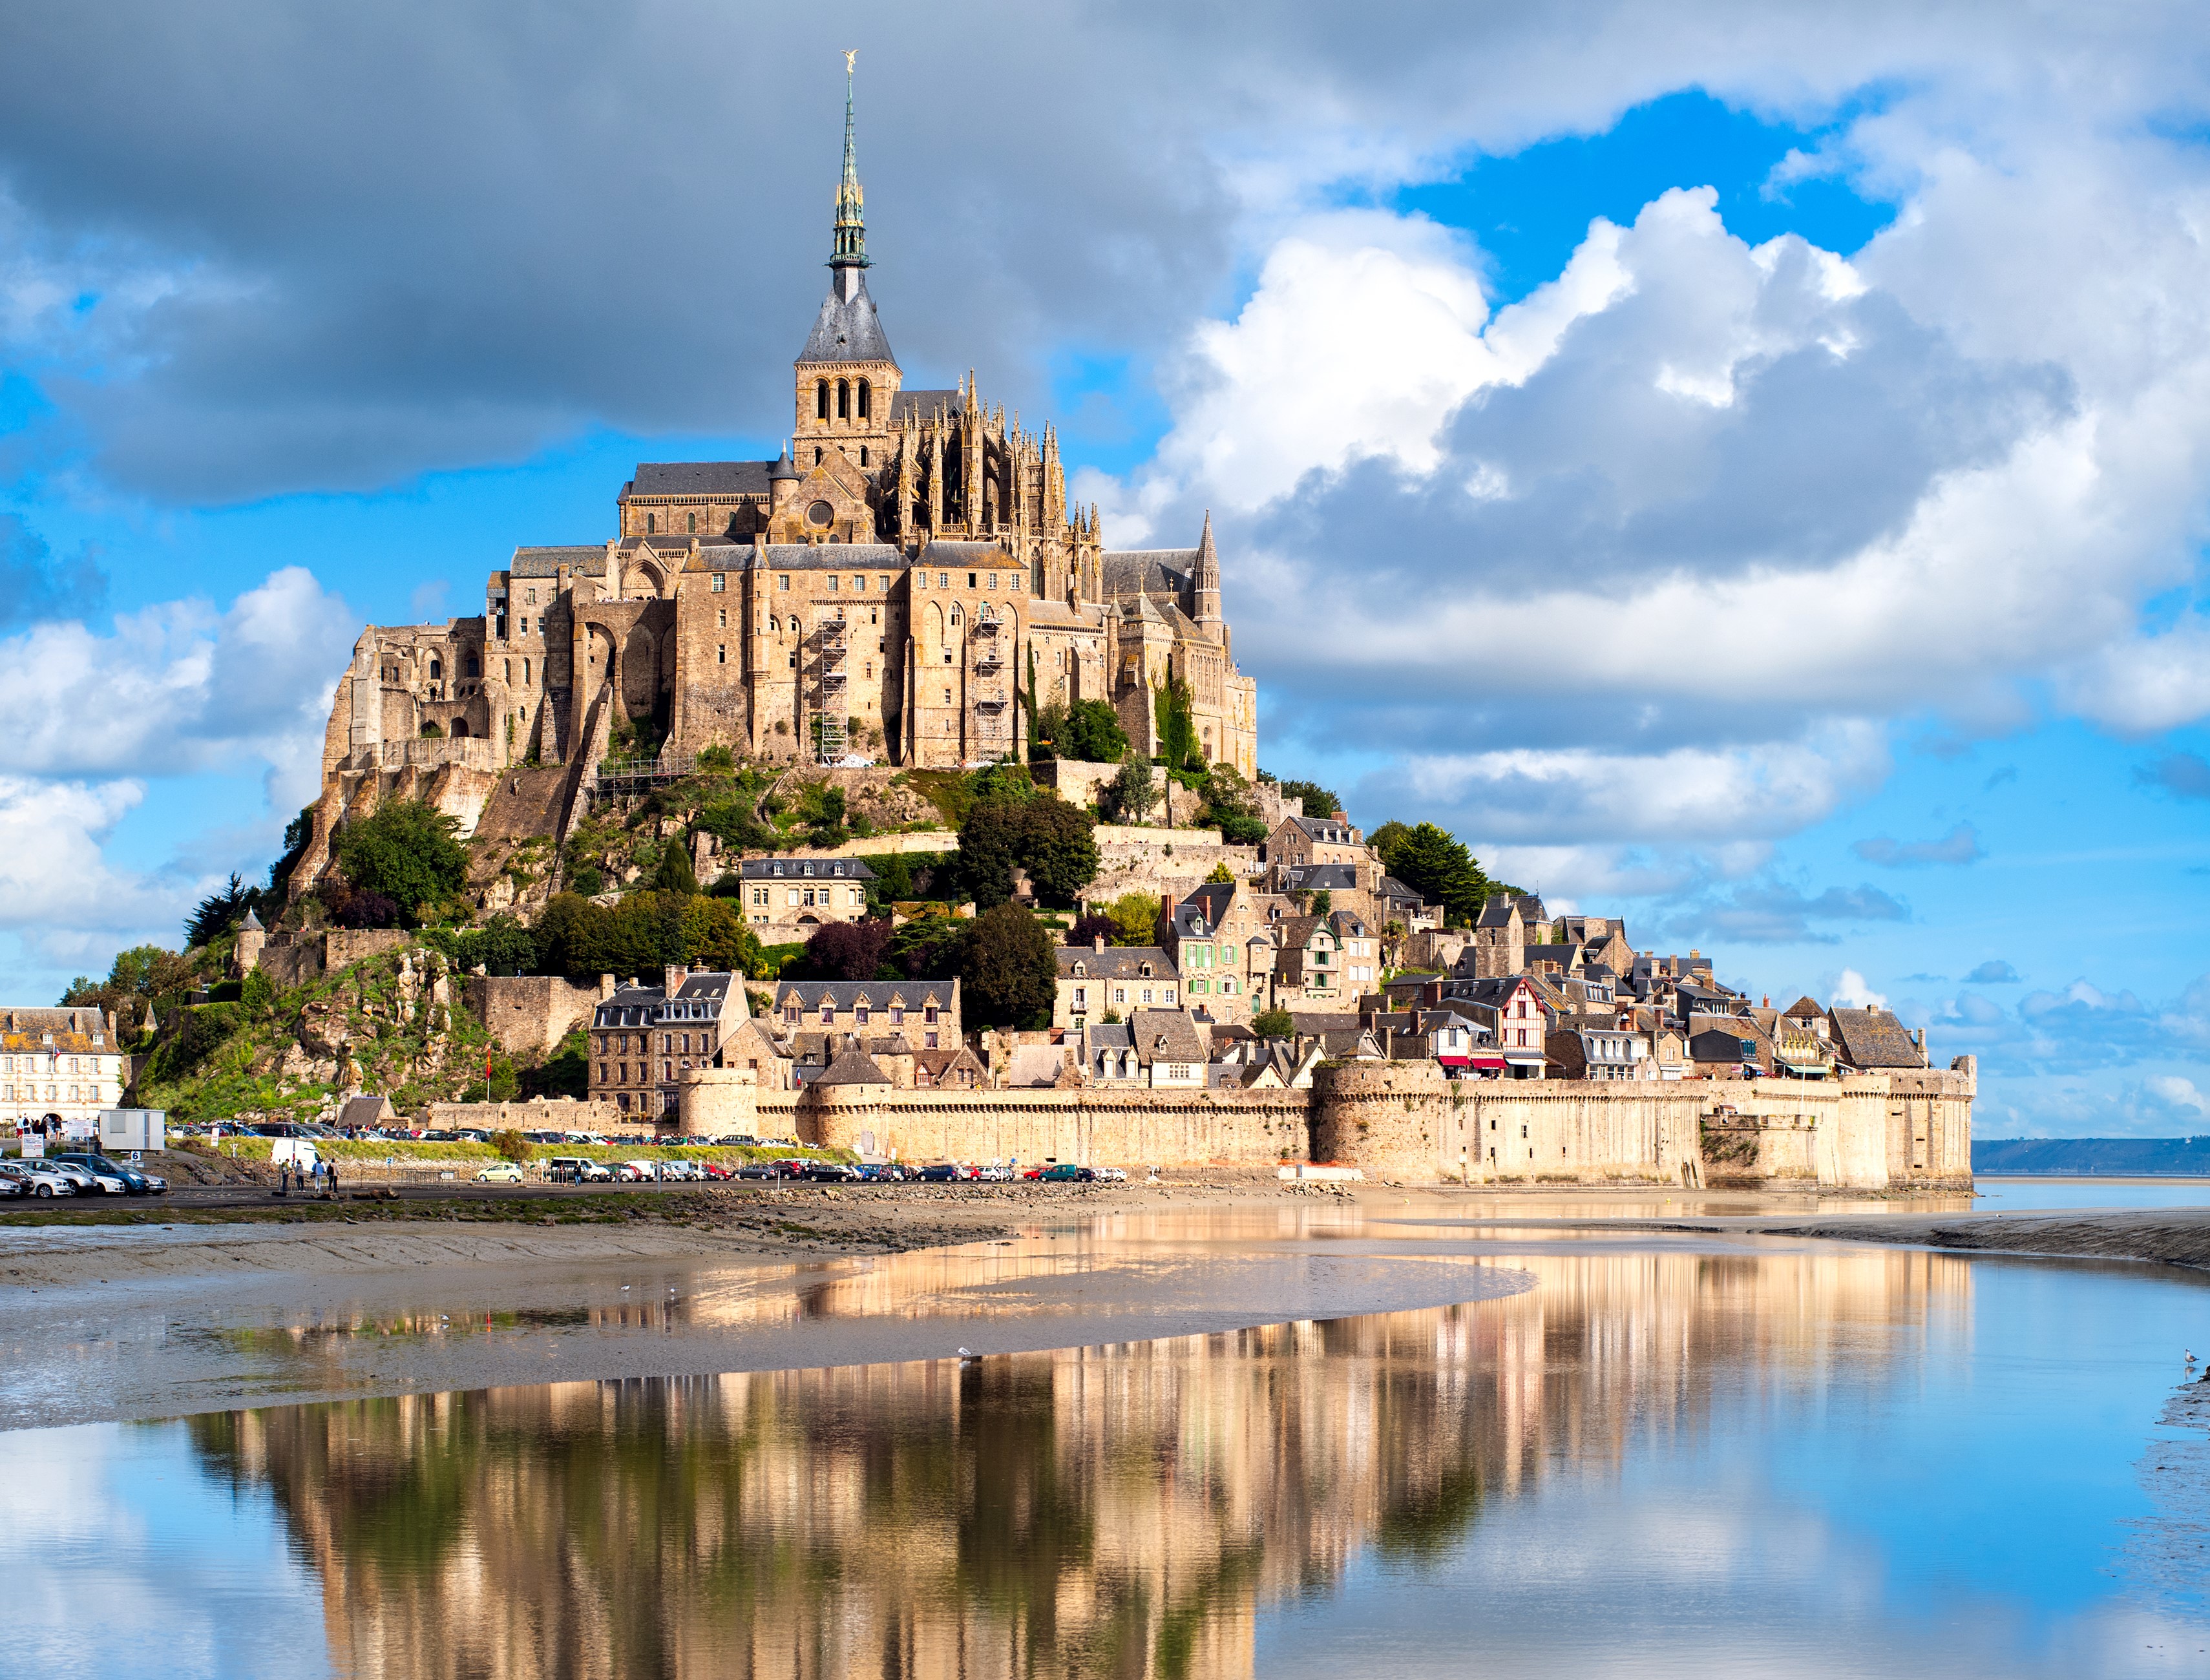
column 38, row 1178
column 89, row 1182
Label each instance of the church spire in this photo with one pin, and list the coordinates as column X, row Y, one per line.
column 851, row 244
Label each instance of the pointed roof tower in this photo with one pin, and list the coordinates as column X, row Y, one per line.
column 847, row 330
column 1204, row 580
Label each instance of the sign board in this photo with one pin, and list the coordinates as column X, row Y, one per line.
column 133, row 1128
column 84, row 1129
column 298, row 1150
column 34, row 1146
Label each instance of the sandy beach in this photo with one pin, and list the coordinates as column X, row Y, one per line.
column 181, row 1307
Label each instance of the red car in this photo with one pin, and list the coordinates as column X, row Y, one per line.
column 720, row 1169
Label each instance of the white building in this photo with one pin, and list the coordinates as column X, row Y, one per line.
column 58, row 1065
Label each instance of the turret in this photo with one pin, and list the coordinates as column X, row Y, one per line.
column 1205, row 583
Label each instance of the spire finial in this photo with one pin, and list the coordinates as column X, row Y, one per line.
column 851, row 245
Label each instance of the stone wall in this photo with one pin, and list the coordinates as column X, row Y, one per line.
column 528, row 1014
column 558, row 1114
column 294, row 959
column 1403, row 1120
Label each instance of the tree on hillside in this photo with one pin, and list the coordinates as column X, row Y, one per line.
column 1132, row 793
column 1387, row 841
column 927, row 947
column 675, row 874
column 1092, row 733
column 848, row 950
column 1434, row 864
column 1044, row 835
column 218, row 913
column 408, row 851
column 1175, row 715
column 1091, row 927
column 714, row 937
column 1273, row 1024
column 1231, row 807
column 1136, row 918
column 1007, row 972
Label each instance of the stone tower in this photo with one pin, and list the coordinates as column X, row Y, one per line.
column 1204, row 586
column 251, row 937
column 846, row 377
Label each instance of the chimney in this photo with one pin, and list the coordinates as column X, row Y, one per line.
column 673, row 976
column 1767, row 1004
column 606, row 987
column 1097, row 942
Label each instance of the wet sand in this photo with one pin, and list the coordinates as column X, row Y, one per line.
column 248, row 1305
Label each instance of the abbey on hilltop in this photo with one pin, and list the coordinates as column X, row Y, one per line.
column 894, row 587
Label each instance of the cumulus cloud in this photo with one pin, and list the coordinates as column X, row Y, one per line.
column 1961, row 844
column 1994, row 972
column 1770, row 913
column 2178, row 1093
column 1851, row 992
column 178, row 686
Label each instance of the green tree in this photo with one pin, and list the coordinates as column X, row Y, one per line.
column 258, row 994
column 1433, row 862
column 1231, row 807
column 218, row 913
column 675, row 874
column 1131, row 793
column 991, row 840
column 715, row 936
column 1221, row 873
column 1007, row 971
column 565, row 1073
column 1273, row 1024
column 1058, row 849
column 1136, row 915
column 1092, row 733
column 409, row 851
column 1387, row 841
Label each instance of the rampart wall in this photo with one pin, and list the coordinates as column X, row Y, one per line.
column 528, row 1014
column 1403, row 1122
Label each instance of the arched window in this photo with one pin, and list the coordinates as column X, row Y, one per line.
column 459, row 729
column 817, row 457
column 693, row 518
column 863, row 448
column 651, row 524
column 525, row 674
column 821, row 399
column 865, row 393
column 475, row 669
column 843, row 399
column 437, row 669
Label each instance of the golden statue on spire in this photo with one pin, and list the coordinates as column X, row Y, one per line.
column 850, row 53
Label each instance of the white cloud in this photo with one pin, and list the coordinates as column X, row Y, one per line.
column 177, row 686
column 2178, row 1093
column 53, row 873
column 1851, row 992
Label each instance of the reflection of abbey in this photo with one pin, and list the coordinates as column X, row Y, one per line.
column 886, row 589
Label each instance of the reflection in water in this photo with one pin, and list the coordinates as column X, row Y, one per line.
column 1128, row 1509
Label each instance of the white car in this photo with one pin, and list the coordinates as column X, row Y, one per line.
column 1112, row 1174
column 636, row 1172
column 38, row 1178
column 88, row 1183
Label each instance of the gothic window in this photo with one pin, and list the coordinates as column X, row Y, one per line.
column 436, row 670
column 651, row 524
column 693, row 518
column 820, row 405
column 865, row 392
column 843, row 399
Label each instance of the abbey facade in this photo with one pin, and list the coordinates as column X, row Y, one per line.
column 894, row 587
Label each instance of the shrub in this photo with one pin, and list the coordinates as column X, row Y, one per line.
column 258, row 993
column 1273, row 1024
column 512, row 1144
column 1092, row 733
column 717, row 760
column 1008, row 973
column 847, row 950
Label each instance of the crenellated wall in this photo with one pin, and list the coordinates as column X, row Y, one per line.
column 1403, row 1120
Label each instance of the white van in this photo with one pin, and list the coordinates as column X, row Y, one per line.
column 577, row 1169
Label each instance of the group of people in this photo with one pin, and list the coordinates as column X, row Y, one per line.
column 319, row 1178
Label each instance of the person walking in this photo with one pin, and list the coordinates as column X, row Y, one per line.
column 334, row 1180
column 284, row 1180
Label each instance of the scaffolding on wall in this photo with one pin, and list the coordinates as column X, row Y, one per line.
column 830, row 710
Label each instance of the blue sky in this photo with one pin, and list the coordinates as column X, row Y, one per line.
column 1742, row 473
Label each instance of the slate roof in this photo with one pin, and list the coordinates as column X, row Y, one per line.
column 875, row 993
column 1321, row 877
column 1716, row 1044
column 698, row 478
column 547, row 562
column 1147, row 570
column 636, row 1005
column 1115, row 962
column 1875, row 1038
column 854, row 1068
column 805, row 869
column 923, row 404
column 848, row 330
column 1109, row 1036
column 1165, row 1035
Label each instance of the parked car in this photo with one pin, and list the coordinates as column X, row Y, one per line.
column 994, row 1174
column 829, row 1172
column 944, row 1172
column 578, row 1169
column 1111, row 1175
column 1065, row 1172
column 11, row 1187
column 134, row 1182
column 88, row 1183
column 718, row 1170
column 38, row 1179
column 757, row 1170
column 499, row 1172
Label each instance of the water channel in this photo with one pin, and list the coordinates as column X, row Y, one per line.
column 1612, row 1454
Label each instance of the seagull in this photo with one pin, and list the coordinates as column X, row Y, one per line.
column 967, row 1354
column 2190, row 1356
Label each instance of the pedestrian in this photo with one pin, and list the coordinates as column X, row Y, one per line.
column 334, row 1180
column 284, row 1180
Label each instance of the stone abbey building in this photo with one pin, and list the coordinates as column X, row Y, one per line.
column 884, row 589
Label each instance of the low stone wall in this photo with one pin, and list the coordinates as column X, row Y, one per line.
column 293, row 960
column 559, row 1114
